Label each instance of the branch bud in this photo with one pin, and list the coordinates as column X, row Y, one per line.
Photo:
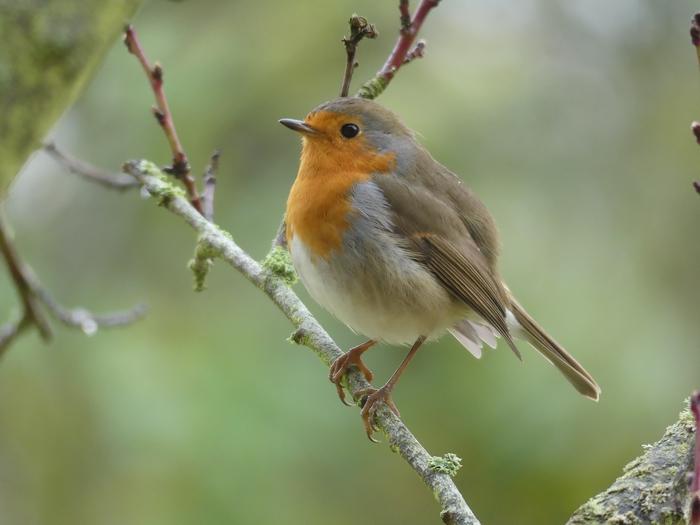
column 695, row 128
column 695, row 30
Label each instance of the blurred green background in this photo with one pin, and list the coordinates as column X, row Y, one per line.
column 570, row 119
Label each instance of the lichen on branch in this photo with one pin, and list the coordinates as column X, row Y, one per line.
column 653, row 487
column 279, row 263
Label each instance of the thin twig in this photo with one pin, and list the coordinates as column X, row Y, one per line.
column 115, row 181
column 214, row 242
column 695, row 40
column 181, row 166
column 359, row 29
column 84, row 319
column 12, row 330
column 407, row 34
column 209, row 181
column 22, row 278
column 695, row 128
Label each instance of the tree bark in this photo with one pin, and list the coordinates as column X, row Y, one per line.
column 653, row 488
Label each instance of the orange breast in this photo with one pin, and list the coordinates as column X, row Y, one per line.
column 318, row 207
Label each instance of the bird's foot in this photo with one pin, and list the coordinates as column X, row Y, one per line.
column 341, row 365
column 371, row 399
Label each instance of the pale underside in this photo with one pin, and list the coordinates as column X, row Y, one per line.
column 375, row 286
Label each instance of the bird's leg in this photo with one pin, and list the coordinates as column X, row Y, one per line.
column 373, row 396
column 340, row 367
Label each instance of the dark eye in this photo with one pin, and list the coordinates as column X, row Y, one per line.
column 349, row 130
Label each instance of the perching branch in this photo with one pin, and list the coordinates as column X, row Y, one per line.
column 34, row 296
column 359, row 29
column 272, row 278
column 410, row 26
column 180, row 167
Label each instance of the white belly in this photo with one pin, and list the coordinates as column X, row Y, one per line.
column 378, row 292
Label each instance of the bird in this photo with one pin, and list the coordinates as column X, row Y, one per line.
column 399, row 248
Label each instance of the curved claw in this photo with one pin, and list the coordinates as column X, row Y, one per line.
column 341, row 393
column 342, row 364
column 372, row 398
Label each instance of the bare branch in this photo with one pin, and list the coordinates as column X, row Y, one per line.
column 23, row 279
column 12, row 330
column 33, row 295
column 209, row 180
column 695, row 40
column 115, row 181
column 215, row 242
column 85, row 320
column 181, row 166
column 376, row 85
column 359, row 29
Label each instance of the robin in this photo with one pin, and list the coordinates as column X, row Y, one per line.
column 398, row 248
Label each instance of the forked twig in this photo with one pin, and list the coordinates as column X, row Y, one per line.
column 34, row 296
column 410, row 26
column 21, row 276
column 181, row 166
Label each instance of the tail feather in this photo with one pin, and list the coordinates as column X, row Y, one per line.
column 549, row 348
column 466, row 335
column 471, row 335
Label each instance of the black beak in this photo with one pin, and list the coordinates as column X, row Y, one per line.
column 297, row 125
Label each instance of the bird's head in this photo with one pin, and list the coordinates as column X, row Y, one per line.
column 353, row 132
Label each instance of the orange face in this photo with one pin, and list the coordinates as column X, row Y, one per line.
column 334, row 158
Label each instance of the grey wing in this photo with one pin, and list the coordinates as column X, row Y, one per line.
column 440, row 240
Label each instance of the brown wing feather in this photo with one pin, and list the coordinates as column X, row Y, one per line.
column 429, row 219
column 464, row 274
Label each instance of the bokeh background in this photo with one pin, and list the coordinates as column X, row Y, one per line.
column 569, row 118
